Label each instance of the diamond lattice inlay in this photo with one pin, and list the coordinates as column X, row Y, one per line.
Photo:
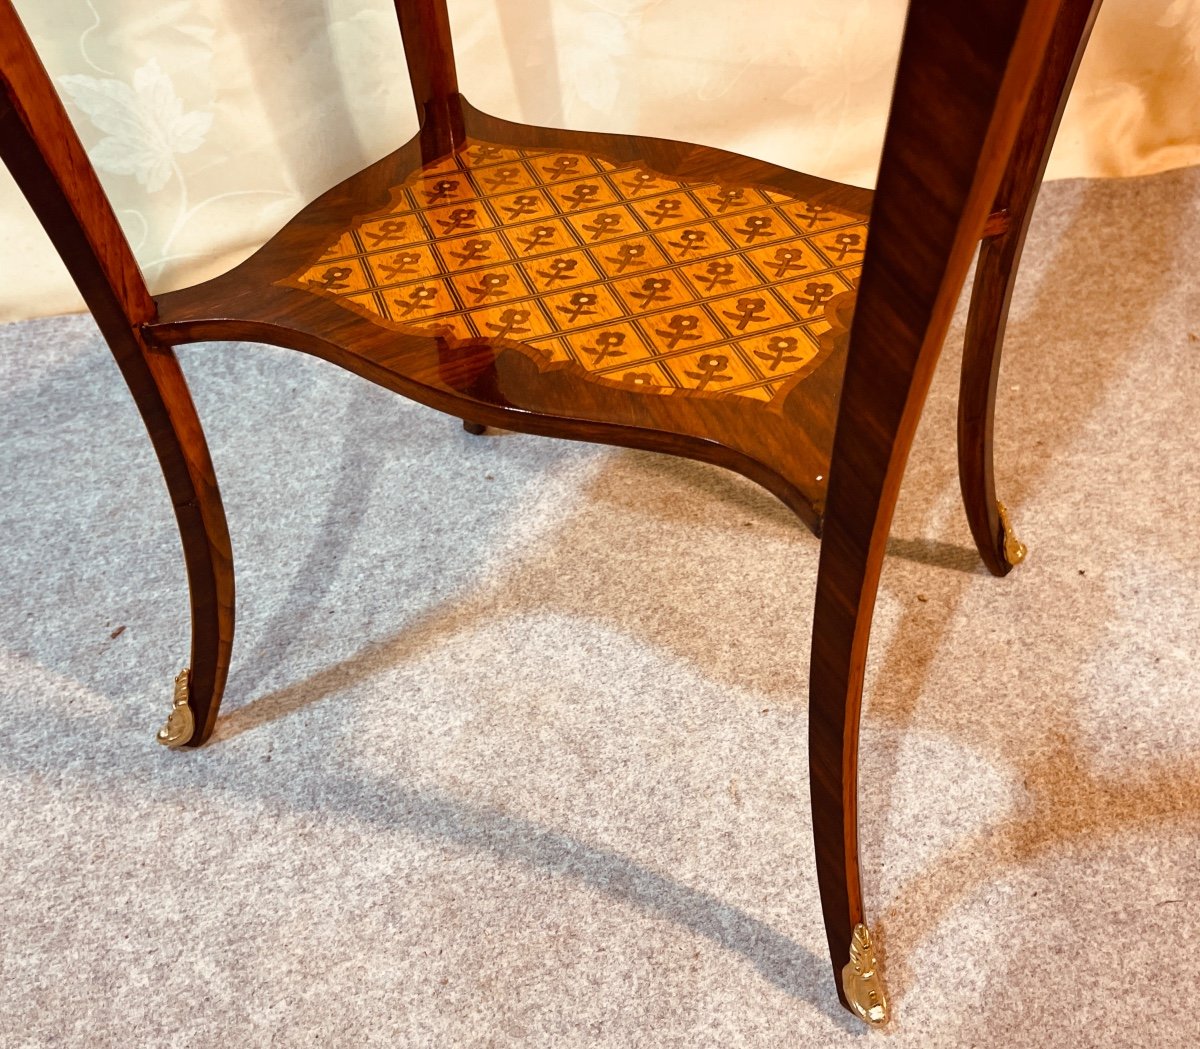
column 640, row 279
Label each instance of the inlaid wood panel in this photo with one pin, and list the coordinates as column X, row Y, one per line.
column 644, row 281
column 641, row 292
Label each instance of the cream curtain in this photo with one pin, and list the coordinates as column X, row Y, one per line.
column 212, row 121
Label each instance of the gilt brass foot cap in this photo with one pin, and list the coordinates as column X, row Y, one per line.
column 861, row 982
column 1014, row 549
column 181, row 723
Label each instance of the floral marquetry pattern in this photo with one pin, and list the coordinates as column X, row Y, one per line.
column 640, row 279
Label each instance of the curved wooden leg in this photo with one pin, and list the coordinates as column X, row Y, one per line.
column 903, row 313
column 995, row 276
column 48, row 162
column 877, row 418
column 948, row 169
column 162, row 397
column 475, row 428
column 850, row 565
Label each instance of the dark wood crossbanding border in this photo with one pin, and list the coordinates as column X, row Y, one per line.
column 641, row 279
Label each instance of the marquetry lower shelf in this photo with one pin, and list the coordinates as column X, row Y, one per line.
column 642, row 280
column 633, row 291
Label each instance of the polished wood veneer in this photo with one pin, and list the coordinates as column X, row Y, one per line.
column 627, row 275
column 634, row 291
column 641, row 292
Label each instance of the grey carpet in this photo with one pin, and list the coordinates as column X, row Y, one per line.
column 513, row 750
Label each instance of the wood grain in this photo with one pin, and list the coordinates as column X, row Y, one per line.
column 943, row 158
column 49, row 164
column 495, row 381
column 996, row 275
column 633, row 277
column 828, row 434
column 429, row 53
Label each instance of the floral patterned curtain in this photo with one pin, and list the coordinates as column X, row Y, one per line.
column 212, row 122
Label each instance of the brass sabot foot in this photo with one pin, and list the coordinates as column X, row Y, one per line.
column 181, row 723
column 1014, row 549
column 861, row 982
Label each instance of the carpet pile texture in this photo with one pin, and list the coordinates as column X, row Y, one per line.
column 513, row 751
